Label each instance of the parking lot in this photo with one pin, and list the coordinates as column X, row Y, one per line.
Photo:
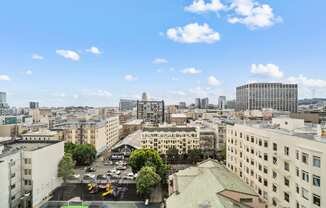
column 115, row 171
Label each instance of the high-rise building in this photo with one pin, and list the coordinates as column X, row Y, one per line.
column 3, row 97
column 204, row 103
column 283, row 161
column 33, row 105
column 144, row 97
column 127, row 104
column 182, row 105
column 221, row 102
column 150, row 111
column 277, row 96
column 197, row 103
column 4, row 107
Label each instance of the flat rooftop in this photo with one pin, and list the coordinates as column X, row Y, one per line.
column 309, row 131
column 169, row 129
column 41, row 133
column 13, row 146
column 134, row 122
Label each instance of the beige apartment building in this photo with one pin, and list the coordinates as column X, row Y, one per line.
column 102, row 134
column 284, row 162
column 164, row 138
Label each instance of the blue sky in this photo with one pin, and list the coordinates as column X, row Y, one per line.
column 67, row 52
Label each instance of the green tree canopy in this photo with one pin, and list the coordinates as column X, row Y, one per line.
column 172, row 155
column 146, row 180
column 70, row 148
column 66, row 167
column 147, row 157
column 84, row 154
column 194, row 155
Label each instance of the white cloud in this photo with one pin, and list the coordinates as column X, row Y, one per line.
column 212, row 81
column 36, row 56
column 191, row 71
column 200, row 6
column 268, row 70
column 130, row 77
column 160, row 61
column 174, row 79
column 28, row 72
column 4, row 77
column 68, row 54
column 253, row 14
column 193, row 33
column 307, row 82
column 94, row 50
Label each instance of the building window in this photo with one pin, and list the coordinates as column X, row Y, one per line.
column 297, row 188
column 265, row 143
column 305, row 176
column 316, row 161
column 316, row 180
column 297, row 154
column 28, row 171
column 305, row 193
column 286, row 151
column 286, row 182
column 305, row 158
column 316, row 200
column 286, row 197
column 286, row 166
column 265, row 157
column 274, row 188
column 265, row 170
column 274, row 146
column 297, row 171
column 274, row 174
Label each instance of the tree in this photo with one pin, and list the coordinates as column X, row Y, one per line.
column 194, row 155
column 146, row 180
column 222, row 152
column 147, row 157
column 172, row 155
column 66, row 167
column 84, row 154
column 70, row 148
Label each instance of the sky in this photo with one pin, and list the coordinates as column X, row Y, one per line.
column 69, row 52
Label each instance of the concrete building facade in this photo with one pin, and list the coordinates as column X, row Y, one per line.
column 151, row 111
column 164, row 138
column 283, row 162
column 28, row 171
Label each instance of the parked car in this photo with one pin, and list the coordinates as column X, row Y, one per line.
column 121, row 168
column 90, row 169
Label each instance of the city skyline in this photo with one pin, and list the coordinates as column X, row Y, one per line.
column 94, row 53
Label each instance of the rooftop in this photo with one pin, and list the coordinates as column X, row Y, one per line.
column 131, row 140
column 207, row 183
column 41, row 133
column 134, row 122
column 169, row 129
column 309, row 131
column 13, row 146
